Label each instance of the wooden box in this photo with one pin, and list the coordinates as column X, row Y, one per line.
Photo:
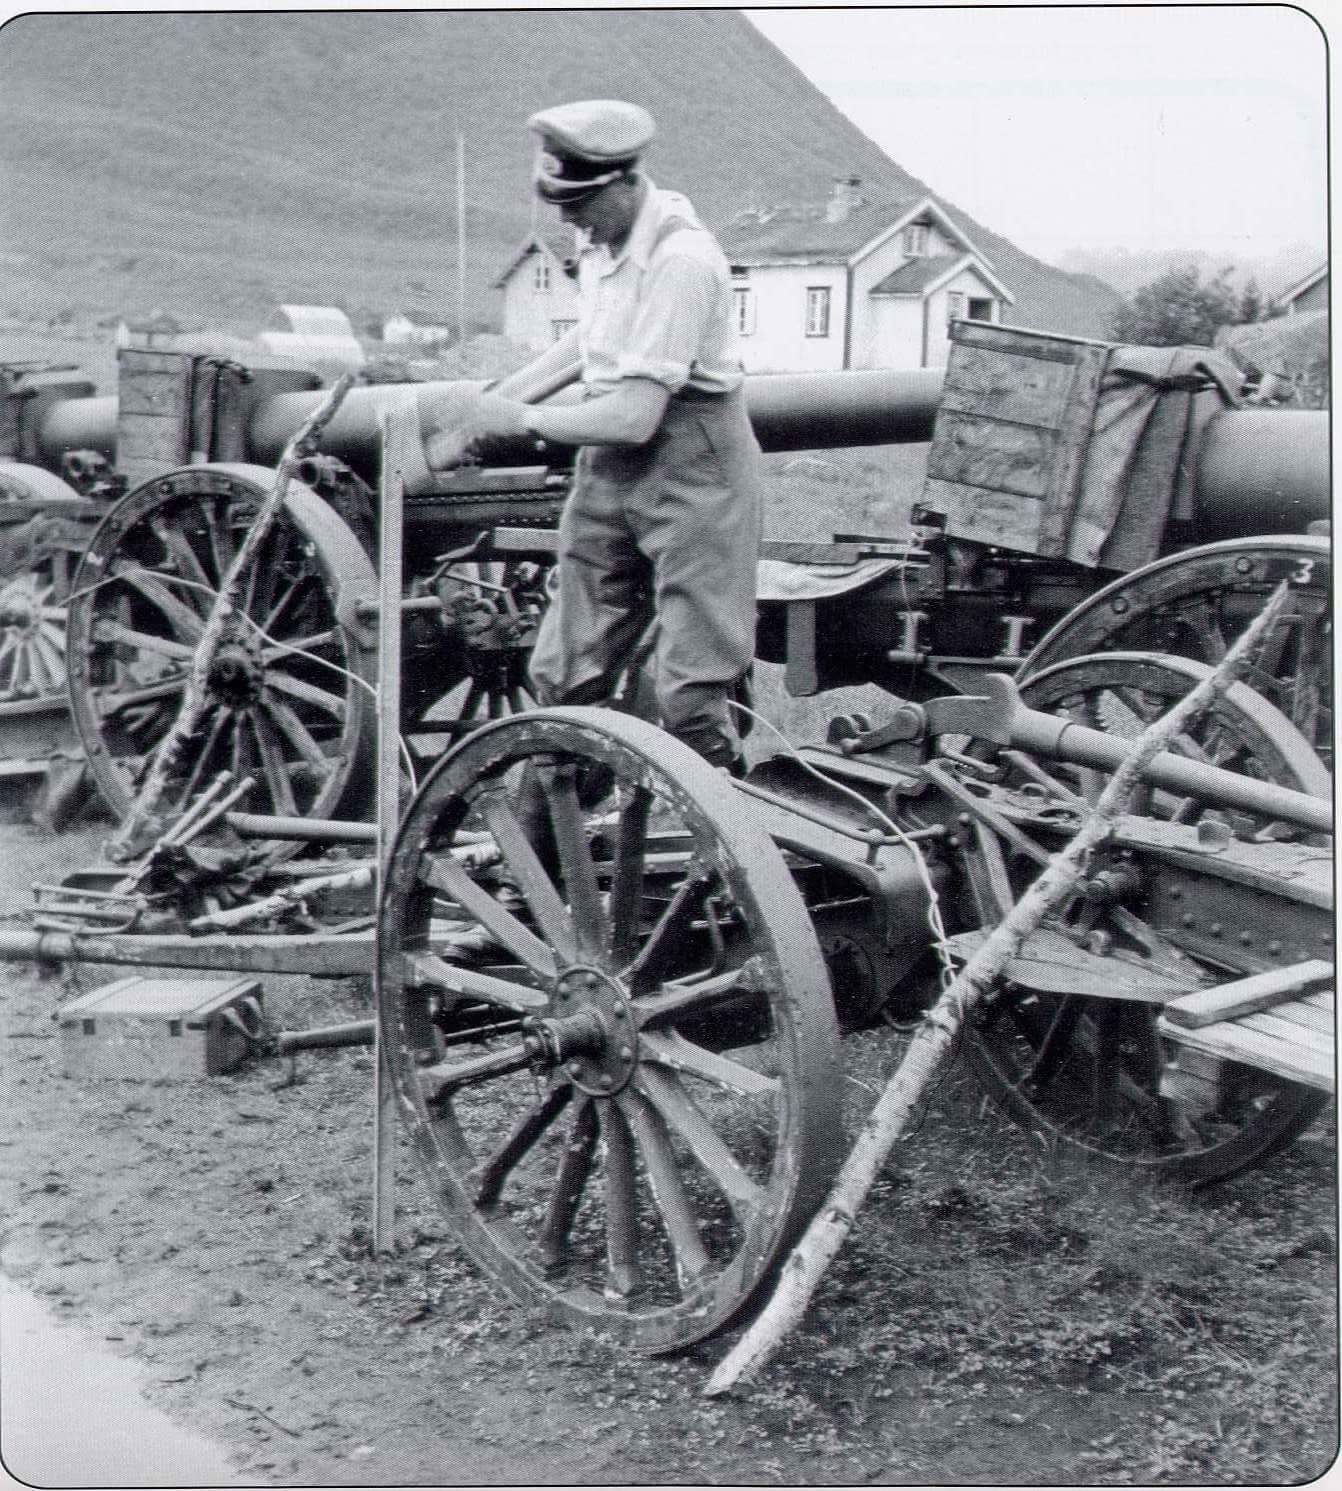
column 160, row 1027
column 1011, row 433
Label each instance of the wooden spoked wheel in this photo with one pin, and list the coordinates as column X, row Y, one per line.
column 467, row 663
column 34, row 593
column 1083, row 1072
column 625, row 1095
column 1195, row 603
column 290, row 690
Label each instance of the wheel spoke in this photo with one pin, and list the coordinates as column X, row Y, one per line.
column 626, row 891
column 680, row 1112
column 184, row 621
column 273, row 765
column 664, row 946
column 439, row 1081
column 533, row 882
column 490, row 1176
column 110, row 703
column 679, row 999
column 296, row 733
column 575, row 857
column 466, row 983
column 202, row 757
column 288, row 646
column 116, row 631
column 295, row 688
column 667, row 1187
column 671, row 1049
column 1056, row 1043
column 1104, row 1069
column 444, row 874
column 179, row 549
column 575, row 1168
column 624, row 1275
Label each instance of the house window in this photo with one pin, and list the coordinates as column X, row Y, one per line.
column 981, row 310
column 915, row 240
column 955, row 305
column 561, row 329
column 540, row 275
column 743, row 309
column 817, row 311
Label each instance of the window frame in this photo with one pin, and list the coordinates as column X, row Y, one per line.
column 819, row 299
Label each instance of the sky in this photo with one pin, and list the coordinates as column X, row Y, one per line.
column 1142, row 127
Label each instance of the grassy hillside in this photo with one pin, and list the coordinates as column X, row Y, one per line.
column 214, row 164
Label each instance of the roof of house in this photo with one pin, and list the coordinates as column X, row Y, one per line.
column 558, row 243
column 915, row 275
column 1307, row 282
column 804, row 231
column 919, row 276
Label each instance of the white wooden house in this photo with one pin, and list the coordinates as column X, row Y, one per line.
column 1309, row 293
column 854, row 284
column 540, row 297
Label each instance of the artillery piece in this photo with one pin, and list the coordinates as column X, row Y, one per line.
column 976, row 585
column 619, row 1058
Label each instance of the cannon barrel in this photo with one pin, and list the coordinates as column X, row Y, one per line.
column 1262, row 471
column 1257, row 471
column 790, row 411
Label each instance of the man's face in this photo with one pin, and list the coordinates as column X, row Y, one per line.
column 607, row 216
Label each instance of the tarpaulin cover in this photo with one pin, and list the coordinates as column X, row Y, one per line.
column 1138, row 471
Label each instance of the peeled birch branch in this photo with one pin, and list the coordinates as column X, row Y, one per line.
column 142, row 810
column 934, row 1041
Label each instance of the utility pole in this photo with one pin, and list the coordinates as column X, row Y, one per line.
column 461, row 239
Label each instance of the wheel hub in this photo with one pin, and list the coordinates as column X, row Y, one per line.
column 591, row 1034
column 236, row 675
column 19, row 608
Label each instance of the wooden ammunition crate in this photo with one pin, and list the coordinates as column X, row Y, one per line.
column 1011, row 435
column 160, row 1027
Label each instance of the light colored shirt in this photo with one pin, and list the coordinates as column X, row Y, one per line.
column 662, row 307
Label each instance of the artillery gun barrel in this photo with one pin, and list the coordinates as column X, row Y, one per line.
column 1262, row 471
column 790, row 411
column 1256, row 470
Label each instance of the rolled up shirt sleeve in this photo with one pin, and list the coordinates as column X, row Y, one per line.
column 676, row 305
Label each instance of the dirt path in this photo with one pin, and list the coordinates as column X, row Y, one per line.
column 997, row 1318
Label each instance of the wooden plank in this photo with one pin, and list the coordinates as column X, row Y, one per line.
column 1244, row 996
column 1230, row 1039
column 1276, row 1024
column 1030, row 390
column 974, row 451
column 986, row 517
column 1297, row 1012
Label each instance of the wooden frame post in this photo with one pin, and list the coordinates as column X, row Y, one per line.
column 396, row 432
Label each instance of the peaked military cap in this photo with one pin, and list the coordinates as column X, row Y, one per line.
column 584, row 146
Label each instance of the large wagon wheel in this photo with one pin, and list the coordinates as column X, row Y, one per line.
column 290, row 696
column 1195, row 603
column 1085, row 1072
column 33, row 593
column 629, row 1106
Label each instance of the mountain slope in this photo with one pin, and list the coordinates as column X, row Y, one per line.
column 217, row 163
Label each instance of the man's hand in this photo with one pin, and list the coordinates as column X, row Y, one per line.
column 489, row 416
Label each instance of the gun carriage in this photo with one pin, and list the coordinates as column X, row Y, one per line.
column 616, row 1045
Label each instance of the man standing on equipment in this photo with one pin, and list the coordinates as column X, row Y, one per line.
column 663, row 521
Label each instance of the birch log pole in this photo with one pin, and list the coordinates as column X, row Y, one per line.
column 934, row 1041
column 142, row 810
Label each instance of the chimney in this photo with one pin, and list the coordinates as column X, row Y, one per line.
column 845, row 197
